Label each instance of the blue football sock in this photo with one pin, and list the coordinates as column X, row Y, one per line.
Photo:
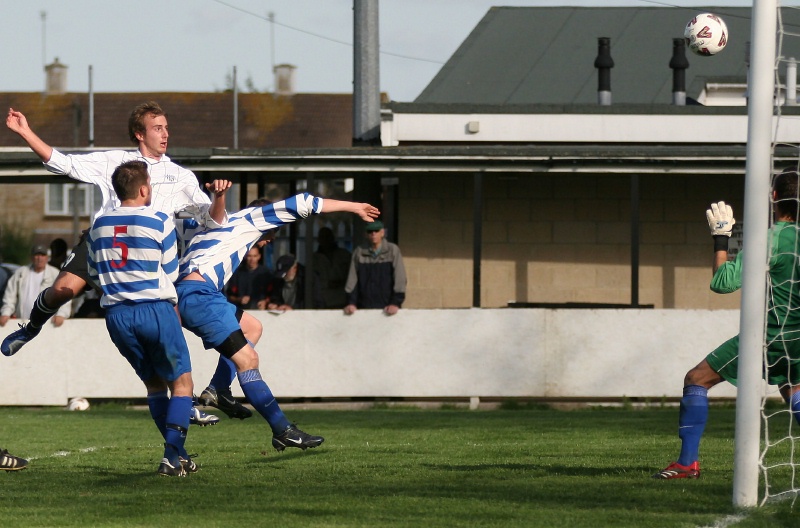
column 224, row 375
column 158, row 403
column 795, row 403
column 262, row 400
column 177, row 426
column 692, row 422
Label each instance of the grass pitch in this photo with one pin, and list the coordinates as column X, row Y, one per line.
column 382, row 467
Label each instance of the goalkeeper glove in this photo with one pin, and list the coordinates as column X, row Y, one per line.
column 720, row 219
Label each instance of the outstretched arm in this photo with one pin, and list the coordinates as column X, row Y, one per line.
column 367, row 212
column 16, row 122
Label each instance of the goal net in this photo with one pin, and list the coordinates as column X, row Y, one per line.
column 778, row 466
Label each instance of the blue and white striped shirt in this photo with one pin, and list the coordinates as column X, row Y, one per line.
column 133, row 255
column 216, row 253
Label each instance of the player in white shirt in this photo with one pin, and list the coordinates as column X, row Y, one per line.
column 175, row 189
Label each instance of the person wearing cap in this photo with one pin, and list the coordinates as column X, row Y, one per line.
column 26, row 283
column 377, row 277
column 287, row 291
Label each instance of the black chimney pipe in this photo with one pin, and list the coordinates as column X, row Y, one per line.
column 679, row 63
column 604, row 63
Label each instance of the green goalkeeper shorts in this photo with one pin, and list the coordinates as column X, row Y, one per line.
column 782, row 361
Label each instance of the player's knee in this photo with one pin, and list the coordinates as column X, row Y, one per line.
column 155, row 384
column 252, row 329
column 702, row 375
column 245, row 359
column 183, row 385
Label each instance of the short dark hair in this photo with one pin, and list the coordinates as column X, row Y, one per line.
column 260, row 202
column 58, row 246
column 128, row 178
column 136, row 119
column 786, row 186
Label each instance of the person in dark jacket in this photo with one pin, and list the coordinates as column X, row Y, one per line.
column 287, row 291
column 247, row 288
column 377, row 277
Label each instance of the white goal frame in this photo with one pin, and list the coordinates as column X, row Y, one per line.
column 758, row 183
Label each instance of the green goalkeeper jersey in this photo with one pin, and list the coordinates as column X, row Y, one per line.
column 784, row 274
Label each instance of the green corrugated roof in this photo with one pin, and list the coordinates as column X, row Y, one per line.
column 545, row 55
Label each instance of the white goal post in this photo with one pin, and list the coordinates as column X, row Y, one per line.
column 758, row 176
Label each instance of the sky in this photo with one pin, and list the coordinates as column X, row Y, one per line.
column 194, row 45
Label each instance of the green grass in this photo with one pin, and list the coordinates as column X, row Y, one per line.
column 384, row 467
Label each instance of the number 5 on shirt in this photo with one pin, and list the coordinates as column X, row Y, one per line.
column 122, row 245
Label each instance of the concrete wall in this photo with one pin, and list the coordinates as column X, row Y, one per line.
column 417, row 353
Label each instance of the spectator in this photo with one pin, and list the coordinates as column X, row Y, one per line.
column 287, row 291
column 25, row 285
column 58, row 252
column 247, row 288
column 377, row 277
column 331, row 265
column 4, row 275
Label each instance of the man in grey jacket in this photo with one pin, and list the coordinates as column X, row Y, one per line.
column 377, row 276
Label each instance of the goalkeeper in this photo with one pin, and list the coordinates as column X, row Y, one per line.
column 783, row 322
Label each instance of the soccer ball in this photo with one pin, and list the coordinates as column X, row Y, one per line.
column 78, row 404
column 706, row 34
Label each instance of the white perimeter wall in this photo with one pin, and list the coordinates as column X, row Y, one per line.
column 573, row 353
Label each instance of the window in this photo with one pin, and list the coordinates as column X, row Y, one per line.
column 58, row 199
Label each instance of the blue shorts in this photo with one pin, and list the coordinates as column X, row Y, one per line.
column 149, row 336
column 206, row 312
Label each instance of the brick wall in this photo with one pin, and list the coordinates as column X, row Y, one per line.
column 23, row 207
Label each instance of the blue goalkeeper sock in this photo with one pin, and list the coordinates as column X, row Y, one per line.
column 262, row 400
column 224, row 375
column 795, row 403
column 177, row 426
column 158, row 403
column 692, row 422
